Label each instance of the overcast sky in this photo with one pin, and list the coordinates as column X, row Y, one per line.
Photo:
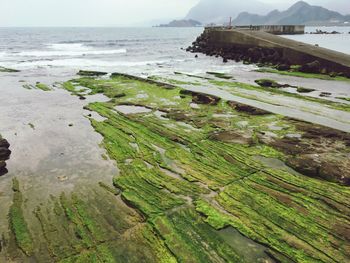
column 101, row 12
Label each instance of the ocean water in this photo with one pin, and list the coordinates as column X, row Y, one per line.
column 125, row 49
column 133, row 50
column 338, row 42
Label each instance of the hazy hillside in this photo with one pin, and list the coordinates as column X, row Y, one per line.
column 300, row 13
column 219, row 11
column 182, row 23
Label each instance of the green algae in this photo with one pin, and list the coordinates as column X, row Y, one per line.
column 89, row 73
column 302, row 74
column 332, row 104
column 95, row 228
column 220, row 75
column 110, row 189
column 31, row 125
column 173, row 81
column 8, row 70
column 18, row 223
column 43, row 87
column 185, row 186
column 342, row 98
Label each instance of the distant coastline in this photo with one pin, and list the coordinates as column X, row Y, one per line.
column 182, row 23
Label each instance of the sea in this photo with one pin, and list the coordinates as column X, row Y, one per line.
column 134, row 50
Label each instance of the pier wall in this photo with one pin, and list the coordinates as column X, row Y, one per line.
column 277, row 29
column 290, row 52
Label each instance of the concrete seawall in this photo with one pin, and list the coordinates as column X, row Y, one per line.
column 232, row 43
column 276, row 29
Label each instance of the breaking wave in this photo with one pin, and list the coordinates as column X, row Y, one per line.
column 70, row 50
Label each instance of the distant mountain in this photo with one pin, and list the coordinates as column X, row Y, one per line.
column 182, row 23
column 219, row 11
column 299, row 13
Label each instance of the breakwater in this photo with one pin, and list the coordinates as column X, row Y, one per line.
column 254, row 46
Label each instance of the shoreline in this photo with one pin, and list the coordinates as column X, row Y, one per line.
column 191, row 161
column 159, row 148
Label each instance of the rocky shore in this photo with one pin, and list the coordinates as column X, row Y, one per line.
column 201, row 177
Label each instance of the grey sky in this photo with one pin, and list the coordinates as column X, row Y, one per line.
column 106, row 12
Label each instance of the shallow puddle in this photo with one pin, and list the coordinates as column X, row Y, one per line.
column 131, row 109
column 275, row 164
column 245, row 247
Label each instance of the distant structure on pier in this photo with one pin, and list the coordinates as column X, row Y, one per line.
column 272, row 29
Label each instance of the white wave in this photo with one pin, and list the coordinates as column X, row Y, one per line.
column 81, row 63
column 69, row 46
column 70, row 53
column 64, row 50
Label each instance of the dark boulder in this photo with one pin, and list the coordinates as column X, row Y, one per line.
column 322, row 166
column 325, row 94
column 247, row 109
column 283, row 67
column 4, row 153
column 201, row 98
column 268, row 83
column 4, row 143
column 312, row 67
column 89, row 73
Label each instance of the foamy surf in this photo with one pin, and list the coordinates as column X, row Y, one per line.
column 83, row 63
column 65, row 50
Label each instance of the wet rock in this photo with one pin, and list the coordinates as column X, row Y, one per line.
column 247, row 109
column 82, row 98
column 201, row 98
column 177, row 116
column 4, row 153
column 333, row 74
column 325, row 94
column 320, row 152
column 119, row 95
column 283, row 67
column 8, row 70
column 3, row 171
column 151, row 81
column 89, row 73
column 232, row 137
column 4, row 143
column 323, row 166
column 312, row 67
column 304, row 90
column 315, row 132
column 268, row 83
column 291, row 146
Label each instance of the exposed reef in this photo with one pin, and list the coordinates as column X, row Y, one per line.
column 200, row 179
column 190, row 171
